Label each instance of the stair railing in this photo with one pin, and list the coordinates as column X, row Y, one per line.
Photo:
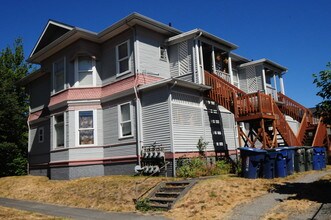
column 320, row 134
column 303, row 127
column 144, row 180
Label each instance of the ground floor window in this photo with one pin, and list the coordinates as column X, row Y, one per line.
column 59, row 130
column 125, row 120
column 86, row 128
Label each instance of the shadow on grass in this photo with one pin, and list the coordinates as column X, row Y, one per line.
column 318, row 191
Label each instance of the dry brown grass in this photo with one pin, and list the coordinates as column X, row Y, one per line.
column 110, row 193
column 215, row 198
column 15, row 214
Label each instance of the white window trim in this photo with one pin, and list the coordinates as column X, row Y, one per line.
column 77, row 73
column 42, row 135
column 64, row 130
column 160, row 53
column 119, row 60
column 64, row 75
column 95, row 133
column 120, row 135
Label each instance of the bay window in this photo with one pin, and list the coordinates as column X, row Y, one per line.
column 59, row 75
column 84, row 71
column 86, row 128
column 58, row 130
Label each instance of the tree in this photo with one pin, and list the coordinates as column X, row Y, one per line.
column 323, row 82
column 13, row 111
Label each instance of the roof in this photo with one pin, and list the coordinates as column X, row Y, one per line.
column 199, row 32
column 32, row 76
column 265, row 61
column 237, row 57
column 56, row 35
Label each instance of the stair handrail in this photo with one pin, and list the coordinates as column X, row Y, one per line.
column 149, row 189
column 302, row 129
column 294, row 109
column 286, row 131
column 320, row 134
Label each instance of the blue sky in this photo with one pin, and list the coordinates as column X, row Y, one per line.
column 295, row 34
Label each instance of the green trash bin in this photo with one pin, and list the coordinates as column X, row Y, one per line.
column 309, row 155
column 299, row 159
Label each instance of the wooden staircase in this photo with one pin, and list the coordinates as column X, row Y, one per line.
column 166, row 194
column 262, row 112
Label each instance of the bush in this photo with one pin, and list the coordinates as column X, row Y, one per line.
column 143, row 205
column 12, row 161
column 195, row 167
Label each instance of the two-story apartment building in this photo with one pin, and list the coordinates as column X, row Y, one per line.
column 99, row 98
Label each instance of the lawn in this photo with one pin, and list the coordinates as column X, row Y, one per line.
column 11, row 214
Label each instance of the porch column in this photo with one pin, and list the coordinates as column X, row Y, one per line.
column 230, row 69
column 281, row 82
column 275, row 82
column 197, row 54
column 213, row 58
column 202, row 65
column 264, row 81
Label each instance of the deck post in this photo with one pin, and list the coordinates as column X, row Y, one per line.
column 230, row 69
column 281, row 82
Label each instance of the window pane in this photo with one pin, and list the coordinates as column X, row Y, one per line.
column 59, row 81
column 85, row 78
column 126, row 129
column 86, row 119
column 86, row 137
column 59, row 129
column 85, row 63
column 122, row 51
column 59, row 118
column 124, row 65
column 125, row 112
column 59, row 66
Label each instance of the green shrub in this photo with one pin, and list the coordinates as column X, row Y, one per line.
column 143, row 205
column 195, row 167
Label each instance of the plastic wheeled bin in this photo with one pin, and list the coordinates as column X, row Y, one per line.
column 318, row 158
column 289, row 159
column 269, row 164
column 281, row 169
column 308, row 158
column 252, row 162
column 299, row 159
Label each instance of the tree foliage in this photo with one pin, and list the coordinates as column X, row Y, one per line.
column 323, row 82
column 13, row 111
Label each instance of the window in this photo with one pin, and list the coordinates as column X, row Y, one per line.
column 123, row 58
column 125, row 120
column 41, row 134
column 84, row 74
column 85, row 128
column 163, row 53
column 59, row 75
column 59, row 130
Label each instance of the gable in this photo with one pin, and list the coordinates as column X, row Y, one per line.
column 52, row 31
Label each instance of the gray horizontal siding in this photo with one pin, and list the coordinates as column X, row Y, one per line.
column 121, row 150
column 37, row 149
column 59, row 155
column 39, row 91
column 156, row 118
column 85, row 153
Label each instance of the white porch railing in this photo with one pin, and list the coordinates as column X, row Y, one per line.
column 273, row 92
column 223, row 75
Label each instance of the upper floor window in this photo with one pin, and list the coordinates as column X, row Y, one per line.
column 163, row 53
column 41, row 134
column 125, row 120
column 123, row 58
column 86, row 128
column 85, row 71
column 59, row 75
column 58, row 130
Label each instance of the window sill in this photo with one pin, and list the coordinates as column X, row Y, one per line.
column 122, row 74
column 125, row 137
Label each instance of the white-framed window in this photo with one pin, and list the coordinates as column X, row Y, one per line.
column 163, row 53
column 123, row 58
column 59, row 75
column 125, row 120
column 58, row 134
column 85, row 72
column 41, row 135
column 86, row 128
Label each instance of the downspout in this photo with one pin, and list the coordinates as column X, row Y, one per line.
column 171, row 131
column 138, row 103
column 197, row 56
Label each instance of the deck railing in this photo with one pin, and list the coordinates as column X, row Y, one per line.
column 320, row 134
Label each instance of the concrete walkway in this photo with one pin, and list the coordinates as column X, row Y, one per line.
column 72, row 213
column 260, row 206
